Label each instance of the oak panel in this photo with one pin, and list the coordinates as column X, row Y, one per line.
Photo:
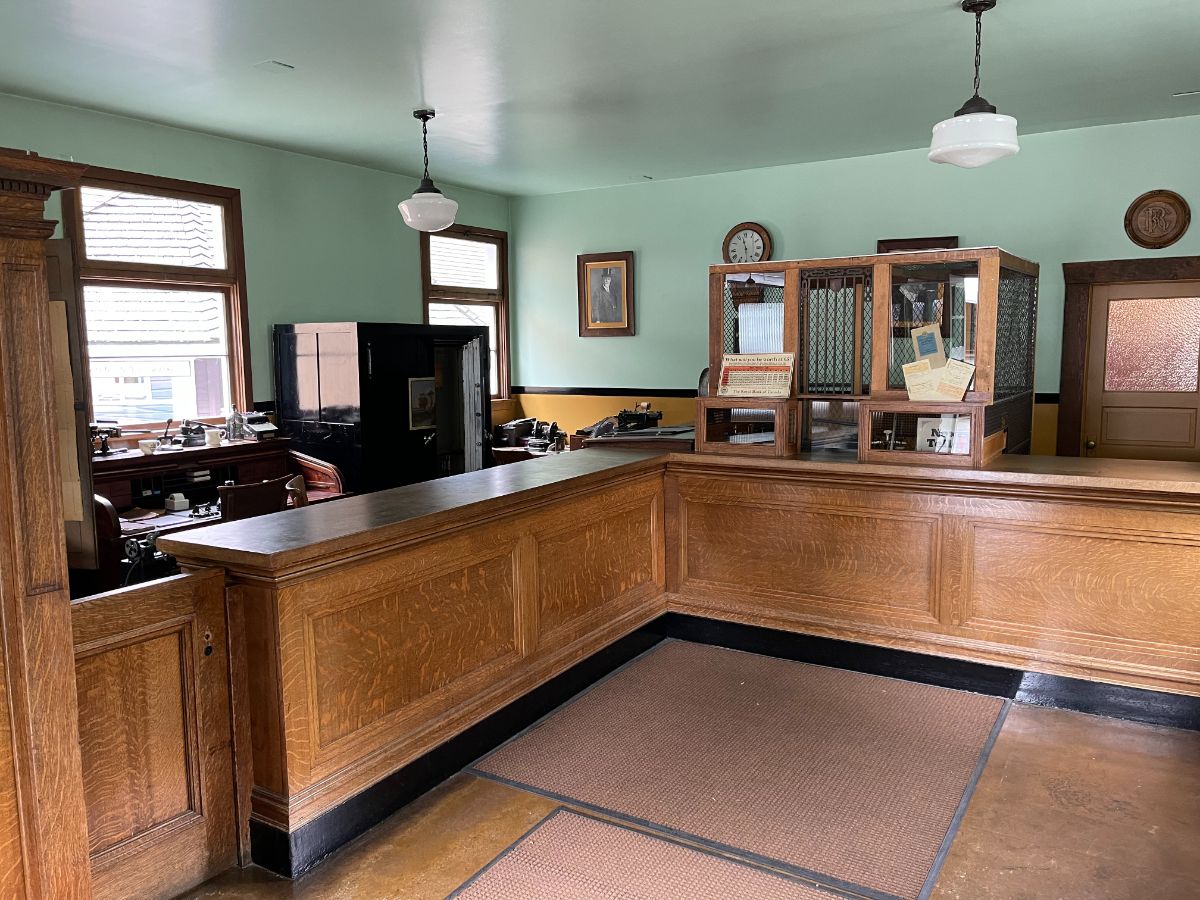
column 155, row 735
column 592, row 564
column 133, row 707
column 1135, row 586
column 854, row 557
column 408, row 642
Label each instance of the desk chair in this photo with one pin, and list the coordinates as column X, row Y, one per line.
column 244, row 501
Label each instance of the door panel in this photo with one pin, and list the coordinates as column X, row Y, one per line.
column 152, row 675
column 1143, row 371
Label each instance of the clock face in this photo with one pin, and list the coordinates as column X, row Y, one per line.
column 747, row 243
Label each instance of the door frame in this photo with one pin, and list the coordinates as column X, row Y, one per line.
column 1080, row 278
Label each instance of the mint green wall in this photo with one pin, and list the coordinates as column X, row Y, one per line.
column 1063, row 198
column 324, row 241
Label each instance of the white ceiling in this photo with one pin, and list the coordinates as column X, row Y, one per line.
column 538, row 96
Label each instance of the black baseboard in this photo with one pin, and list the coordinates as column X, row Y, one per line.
column 938, row 670
column 1034, row 688
column 1112, row 700
column 292, row 855
column 605, row 391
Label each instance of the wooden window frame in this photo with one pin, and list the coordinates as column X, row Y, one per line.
column 431, row 293
column 230, row 280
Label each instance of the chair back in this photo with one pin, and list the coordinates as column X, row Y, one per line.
column 244, row 501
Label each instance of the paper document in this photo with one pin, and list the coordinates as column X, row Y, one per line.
column 945, row 385
column 920, row 381
column 954, row 378
column 756, row 375
column 927, row 344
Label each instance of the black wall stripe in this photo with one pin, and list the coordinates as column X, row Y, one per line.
column 658, row 392
column 607, row 391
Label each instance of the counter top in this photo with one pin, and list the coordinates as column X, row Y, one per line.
column 295, row 536
column 1035, row 473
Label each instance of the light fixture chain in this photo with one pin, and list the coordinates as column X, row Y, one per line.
column 425, row 132
column 978, row 47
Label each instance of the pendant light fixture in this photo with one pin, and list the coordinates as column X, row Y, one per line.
column 975, row 135
column 428, row 209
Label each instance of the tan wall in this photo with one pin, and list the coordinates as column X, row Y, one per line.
column 1045, row 429
column 575, row 411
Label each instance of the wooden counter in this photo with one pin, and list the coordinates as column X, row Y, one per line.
column 378, row 627
column 1078, row 567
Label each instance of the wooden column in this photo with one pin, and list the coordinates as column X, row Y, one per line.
column 43, row 824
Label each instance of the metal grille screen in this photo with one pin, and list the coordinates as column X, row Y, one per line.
column 835, row 309
column 1016, row 333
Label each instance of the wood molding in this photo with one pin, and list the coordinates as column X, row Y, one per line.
column 43, row 832
column 1079, row 278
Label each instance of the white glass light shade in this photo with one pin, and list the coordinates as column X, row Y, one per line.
column 429, row 211
column 974, row 140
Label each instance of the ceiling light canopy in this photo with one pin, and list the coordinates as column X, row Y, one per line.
column 975, row 135
column 428, row 209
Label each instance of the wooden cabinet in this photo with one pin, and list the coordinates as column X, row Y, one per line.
column 746, row 427
column 847, row 321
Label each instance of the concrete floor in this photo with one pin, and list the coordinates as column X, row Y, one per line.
column 1069, row 806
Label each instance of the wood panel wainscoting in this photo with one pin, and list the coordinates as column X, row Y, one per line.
column 361, row 660
column 382, row 627
column 1049, row 572
column 155, row 734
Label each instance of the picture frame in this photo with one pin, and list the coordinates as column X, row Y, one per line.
column 899, row 245
column 606, row 294
column 422, row 403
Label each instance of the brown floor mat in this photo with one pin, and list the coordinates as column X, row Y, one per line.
column 854, row 779
column 568, row 856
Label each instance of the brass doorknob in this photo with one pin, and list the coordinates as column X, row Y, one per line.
column 1091, row 445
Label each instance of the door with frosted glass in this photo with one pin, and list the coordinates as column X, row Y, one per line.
column 1143, row 371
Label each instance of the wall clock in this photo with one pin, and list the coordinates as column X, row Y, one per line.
column 1157, row 219
column 747, row 242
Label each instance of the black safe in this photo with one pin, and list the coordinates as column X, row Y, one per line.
column 388, row 404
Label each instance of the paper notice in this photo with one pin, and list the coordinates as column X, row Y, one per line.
column 953, row 379
column 927, row 344
column 921, row 381
column 756, row 375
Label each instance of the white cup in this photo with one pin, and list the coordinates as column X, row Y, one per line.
column 148, row 446
column 212, row 437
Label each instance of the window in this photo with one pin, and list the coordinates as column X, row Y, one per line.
column 464, row 281
column 164, row 299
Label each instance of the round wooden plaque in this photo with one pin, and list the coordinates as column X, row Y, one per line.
column 1157, row 219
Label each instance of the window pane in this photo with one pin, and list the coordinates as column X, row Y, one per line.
column 454, row 262
column 156, row 354
column 141, row 228
column 1153, row 345
column 471, row 314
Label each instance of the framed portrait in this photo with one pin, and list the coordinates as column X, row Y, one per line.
column 422, row 404
column 606, row 294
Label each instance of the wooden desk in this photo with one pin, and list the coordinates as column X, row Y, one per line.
column 470, row 591
column 122, row 477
